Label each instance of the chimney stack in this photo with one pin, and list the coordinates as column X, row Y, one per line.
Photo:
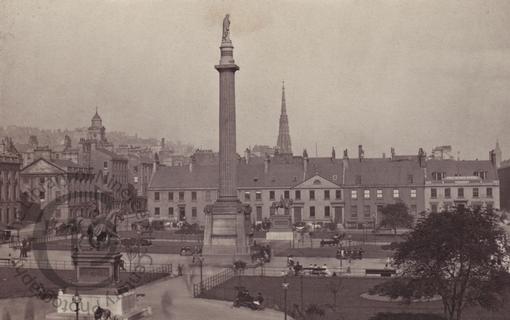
column 392, row 153
column 305, row 163
column 191, row 163
column 266, row 163
column 492, row 157
column 333, row 153
column 384, row 155
column 247, row 155
column 361, row 152
column 421, row 157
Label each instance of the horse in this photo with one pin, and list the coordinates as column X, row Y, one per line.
column 101, row 229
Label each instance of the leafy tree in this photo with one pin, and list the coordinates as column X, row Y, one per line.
column 460, row 255
column 314, row 311
column 396, row 215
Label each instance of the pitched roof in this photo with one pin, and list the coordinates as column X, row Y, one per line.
column 462, row 168
column 113, row 155
column 383, row 171
column 249, row 175
column 64, row 163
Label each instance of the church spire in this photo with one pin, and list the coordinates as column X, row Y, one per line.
column 283, row 143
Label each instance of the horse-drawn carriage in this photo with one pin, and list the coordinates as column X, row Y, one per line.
column 261, row 253
column 334, row 241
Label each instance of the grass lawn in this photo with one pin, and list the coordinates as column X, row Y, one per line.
column 12, row 284
column 370, row 251
column 348, row 306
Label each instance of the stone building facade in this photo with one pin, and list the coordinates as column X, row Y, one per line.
column 10, row 164
column 62, row 189
column 350, row 192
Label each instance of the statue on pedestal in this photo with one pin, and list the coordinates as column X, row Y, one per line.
column 226, row 29
column 101, row 230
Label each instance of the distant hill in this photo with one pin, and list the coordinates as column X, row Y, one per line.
column 55, row 137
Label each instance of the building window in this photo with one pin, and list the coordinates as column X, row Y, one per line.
column 170, row 196
column 414, row 210
column 433, row 193
column 258, row 196
column 482, row 174
column 271, row 211
column 312, row 212
column 326, row 194
column 105, row 164
column 460, row 192
column 207, row 195
column 366, row 211
column 286, row 194
column 447, row 193
column 366, row 194
column 42, row 195
column 433, row 207
column 259, row 213
column 354, row 211
column 171, row 211
column 438, row 175
column 156, row 211
column 338, row 194
column 58, row 197
column 271, row 195
column 247, row 196
column 193, row 196
column 156, row 196
column 379, row 194
column 410, row 179
column 297, row 195
column 475, row 193
column 41, row 180
column 354, row 194
column 327, row 211
column 489, row 192
column 193, row 212
column 312, row 194
column 181, row 196
column 413, row 193
column 396, row 193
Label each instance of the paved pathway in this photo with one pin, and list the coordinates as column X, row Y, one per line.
column 171, row 299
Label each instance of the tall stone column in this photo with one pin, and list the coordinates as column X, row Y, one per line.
column 227, row 138
column 226, row 220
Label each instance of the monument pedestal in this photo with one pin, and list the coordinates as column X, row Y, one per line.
column 98, row 285
column 225, row 239
column 122, row 306
column 281, row 228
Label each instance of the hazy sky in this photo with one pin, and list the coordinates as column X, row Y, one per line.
column 407, row 74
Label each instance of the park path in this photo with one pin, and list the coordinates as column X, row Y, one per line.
column 172, row 299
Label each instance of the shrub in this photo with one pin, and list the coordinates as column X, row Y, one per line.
column 406, row 316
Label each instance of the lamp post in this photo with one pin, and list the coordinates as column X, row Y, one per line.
column 76, row 301
column 201, row 264
column 285, row 286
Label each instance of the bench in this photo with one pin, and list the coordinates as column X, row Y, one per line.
column 381, row 272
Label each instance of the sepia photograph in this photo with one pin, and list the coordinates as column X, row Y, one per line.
column 254, row 160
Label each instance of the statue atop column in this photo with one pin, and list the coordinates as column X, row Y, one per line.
column 226, row 29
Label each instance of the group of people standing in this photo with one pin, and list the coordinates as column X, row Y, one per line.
column 353, row 253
